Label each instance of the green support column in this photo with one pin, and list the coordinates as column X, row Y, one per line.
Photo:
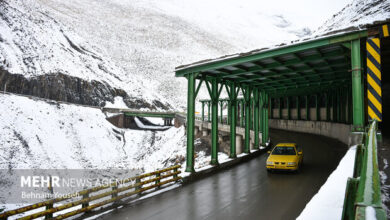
column 214, row 122
column 317, row 109
column 307, row 108
column 202, row 111
column 209, row 111
column 247, row 100
column 327, row 107
column 271, row 108
column 298, row 109
column 252, row 115
column 190, row 122
column 261, row 114
column 233, row 120
column 288, row 109
column 280, row 108
column 256, row 116
column 266, row 120
column 264, row 117
column 349, row 120
column 357, row 90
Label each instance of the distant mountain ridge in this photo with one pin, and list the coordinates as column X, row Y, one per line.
column 355, row 16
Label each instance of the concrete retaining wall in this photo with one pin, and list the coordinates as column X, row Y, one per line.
column 337, row 131
column 312, row 112
column 117, row 120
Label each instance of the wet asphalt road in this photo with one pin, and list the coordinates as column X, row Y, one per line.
column 247, row 191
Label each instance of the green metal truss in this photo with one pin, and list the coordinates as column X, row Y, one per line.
column 304, row 69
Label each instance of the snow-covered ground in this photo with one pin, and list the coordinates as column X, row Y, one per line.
column 150, row 127
column 46, row 135
column 118, row 103
column 328, row 202
column 37, row 134
column 385, row 186
column 156, row 121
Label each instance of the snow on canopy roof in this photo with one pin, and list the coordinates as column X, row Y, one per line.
column 356, row 16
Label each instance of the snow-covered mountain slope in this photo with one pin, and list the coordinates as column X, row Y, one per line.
column 32, row 44
column 149, row 38
column 358, row 14
column 135, row 45
column 37, row 134
column 48, row 135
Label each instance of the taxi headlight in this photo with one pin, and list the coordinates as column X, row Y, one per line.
column 291, row 163
column 270, row 163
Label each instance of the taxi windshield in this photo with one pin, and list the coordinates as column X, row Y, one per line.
column 284, row 151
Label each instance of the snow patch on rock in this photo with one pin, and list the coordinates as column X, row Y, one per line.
column 118, row 103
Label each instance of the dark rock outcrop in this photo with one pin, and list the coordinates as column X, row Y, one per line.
column 61, row 87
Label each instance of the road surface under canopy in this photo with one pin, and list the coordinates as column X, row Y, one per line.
column 247, row 191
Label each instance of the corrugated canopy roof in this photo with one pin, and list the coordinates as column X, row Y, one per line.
column 308, row 66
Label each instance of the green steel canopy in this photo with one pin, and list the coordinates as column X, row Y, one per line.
column 307, row 67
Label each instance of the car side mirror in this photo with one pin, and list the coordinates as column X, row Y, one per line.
column 300, row 153
column 269, row 152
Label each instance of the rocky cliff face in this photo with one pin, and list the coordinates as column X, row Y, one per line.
column 61, row 87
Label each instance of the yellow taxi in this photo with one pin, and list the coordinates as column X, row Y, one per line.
column 285, row 156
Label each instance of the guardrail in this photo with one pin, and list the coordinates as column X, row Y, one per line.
column 46, row 209
column 225, row 119
column 363, row 192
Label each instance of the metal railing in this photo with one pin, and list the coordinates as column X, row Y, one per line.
column 363, row 192
column 85, row 197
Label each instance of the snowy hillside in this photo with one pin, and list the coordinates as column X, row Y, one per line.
column 32, row 44
column 149, row 38
column 135, row 45
column 41, row 135
column 358, row 14
column 36, row 134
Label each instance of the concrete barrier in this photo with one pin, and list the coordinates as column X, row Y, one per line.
column 117, row 120
column 341, row 132
column 205, row 127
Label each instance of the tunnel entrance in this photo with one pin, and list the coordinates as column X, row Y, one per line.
column 385, row 61
column 136, row 123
